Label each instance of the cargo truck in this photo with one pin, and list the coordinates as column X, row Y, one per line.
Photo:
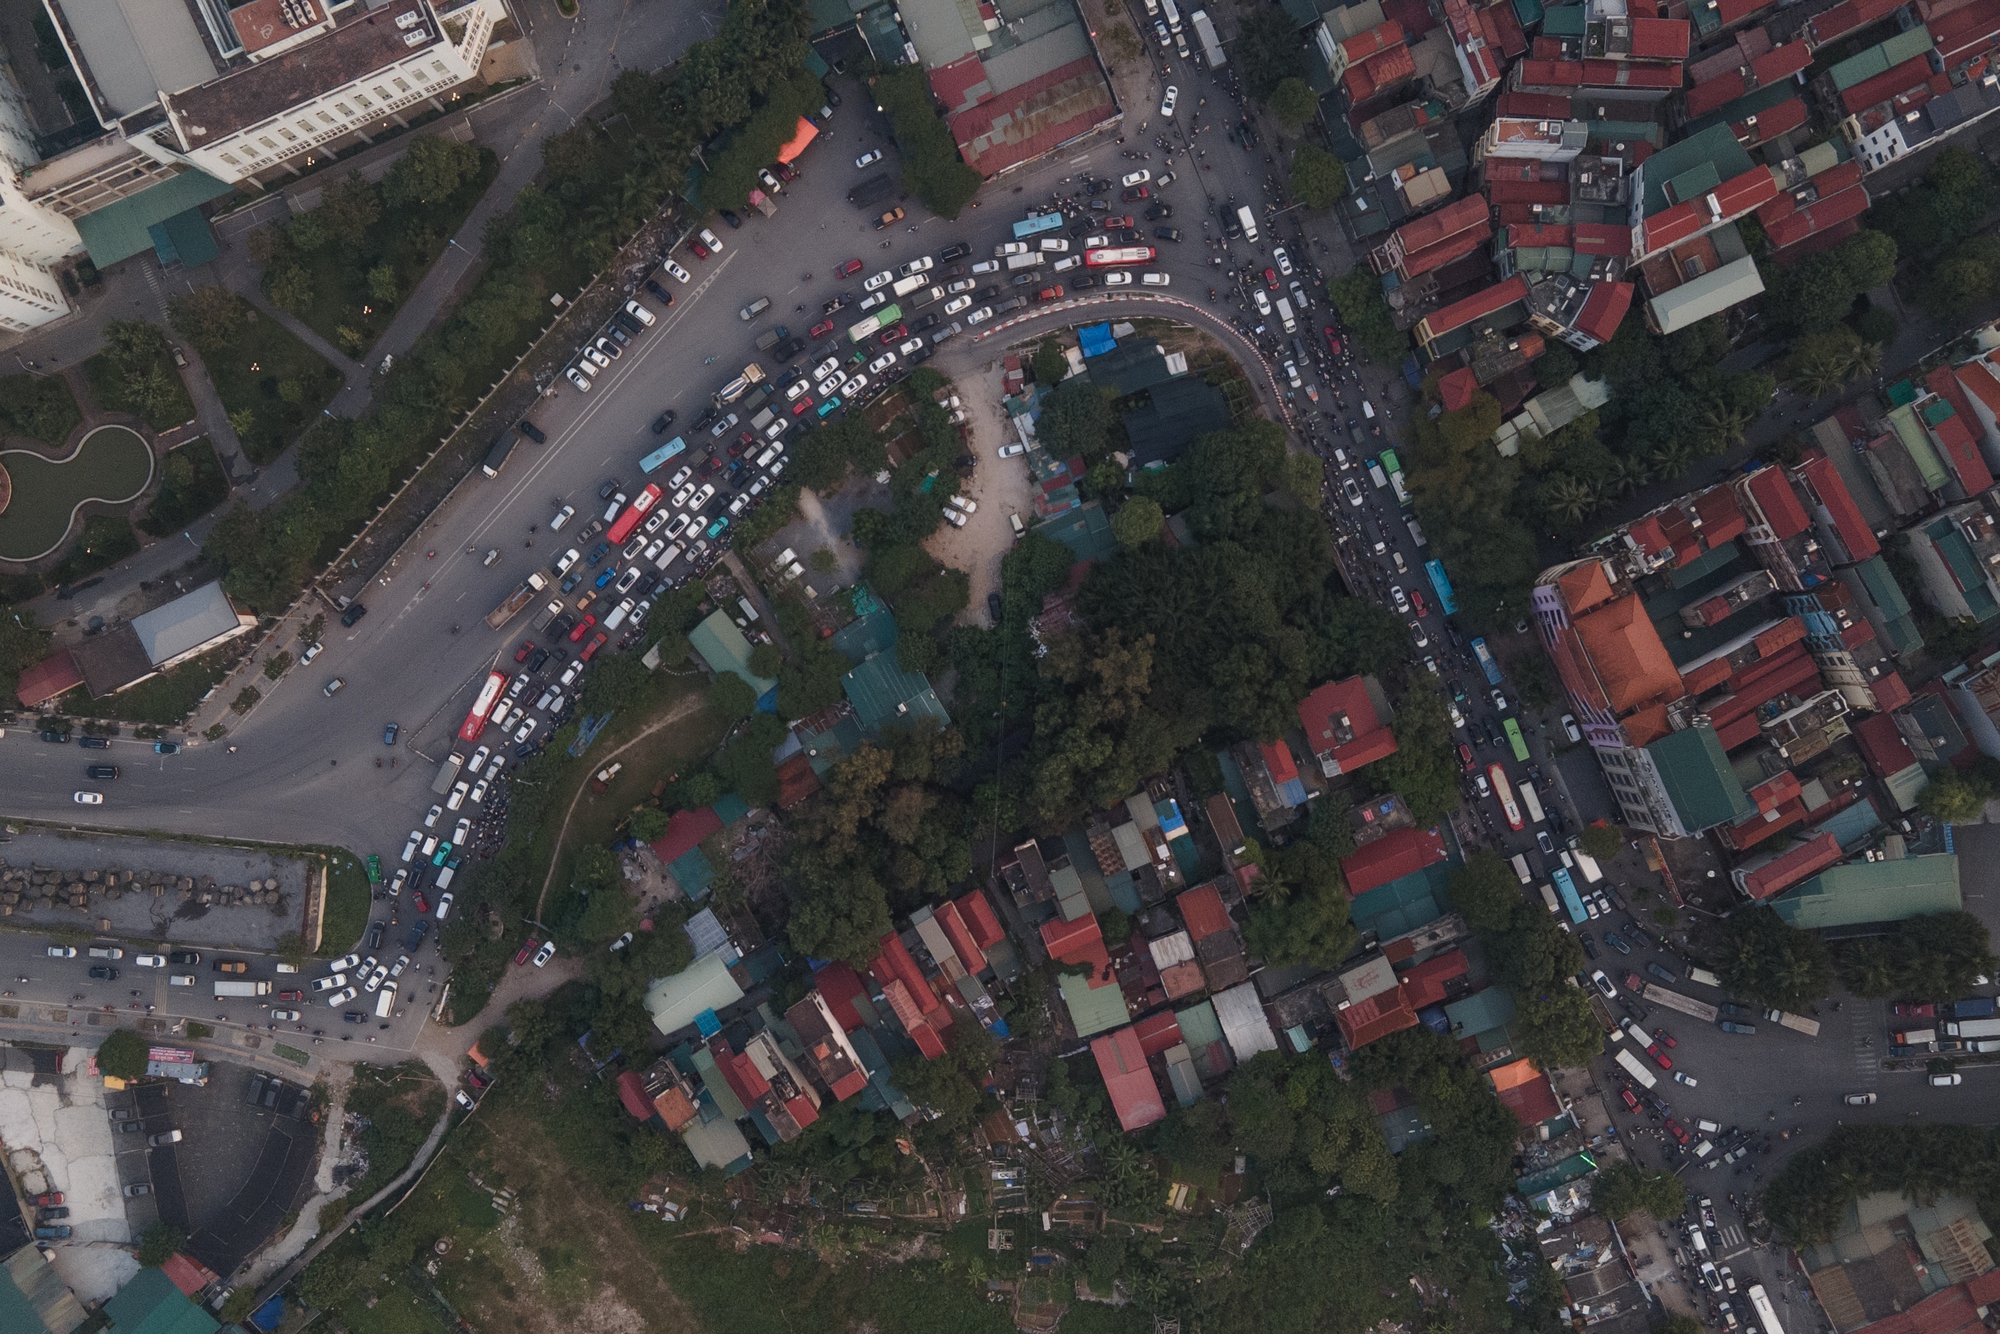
column 1915, row 1037
column 1673, row 1000
column 544, row 616
column 1636, row 1068
column 1973, row 1028
column 516, row 600
column 1032, row 260
column 1211, row 49
column 1706, row 978
column 1974, row 1007
column 447, row 774
column 496, row 457
column 1248, row 222
column 1799, row 1023
column 226, row 989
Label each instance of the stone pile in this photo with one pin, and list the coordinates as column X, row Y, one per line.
column 45, row 888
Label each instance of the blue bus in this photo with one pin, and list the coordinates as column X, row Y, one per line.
column 1577, row 914
column 1441, row 585
column 1486, row 663
column 662, row 454
column 1037, row 224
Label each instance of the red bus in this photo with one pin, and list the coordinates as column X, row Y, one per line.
column 1505, row 792
column 634, row 512
column 482, row 707
column 1113, row 255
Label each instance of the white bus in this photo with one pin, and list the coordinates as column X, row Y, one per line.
column 1531, row 802
column 1767, row 1316
column 1521, row 868
column 1636, row 1068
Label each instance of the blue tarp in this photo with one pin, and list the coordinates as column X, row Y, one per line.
column 270, row 1315
column 1095, row 339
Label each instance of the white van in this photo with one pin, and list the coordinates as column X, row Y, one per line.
column 444, row 877
column 1708, row 1127
column 618, row 615
column 1173, row 15
column 749, row 611
column 385, row 1001
column 1285, row 316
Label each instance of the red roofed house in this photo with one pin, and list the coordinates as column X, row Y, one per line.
column 1455, row 391
column 1436, row 239
column 831, row 1057
column 1428, row 983
column 1079, row 942
column 1472, row 310
column 1782, row 62
column 685, row 831
column 1838, row 519
column 1135, row 1094
column 841, row 987
column 1821, row 213
column 1377, row 1016
column 979, row 918
column 1765, row 877
column 1526, row 1092
column 1347, row 724
column 1396, row 854
column 962, row 944
column 47, row 679
column 1202, row 911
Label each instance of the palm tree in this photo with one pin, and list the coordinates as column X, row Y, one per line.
column 1722, row 426
column 1863, row 360
column 1569, row 498
column 1672, row 459
column 1628, row 475
column 1819, row 376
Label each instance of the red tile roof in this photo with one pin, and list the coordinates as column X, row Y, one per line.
column 1548, row 193
column 187, row 1274
column 1781, row 62
column 1660, row 39
column 1019, row 125
column 1455, row 390
column 1202, row 911
column 1534, row 106
column 1525, row 1091
column 1320, row 711
column 1135, row 1094
column 1158, row 1031
column 1604, row 309
column 685, row 831
column 1603, row 238
column 1627, row 655
column 1792, row 866
column 1910, row 74
column 1787, row 224
column 1771, row 122
column 1732, row 11
column 1832, row 24
column 839, row 986
column 1376, row 1017
column 51, row 677
column 979, row 918
column 1882, row 745
column 1391, row 857
column 1742, row 193
column 1278, row 759
column 1425, row 984
column 1890, row 692
column 1963, row 33
column 1379, row 72
column 1478, row 306
column 962, row 944
column 1956, row 438
column 953, row 83
column 632, row 1093
column 796, row 781
column 1436, row 239
column 895, row 962
column 1853, row 530
column 1376, row 40
column 1781, row 506
column 1539, row 234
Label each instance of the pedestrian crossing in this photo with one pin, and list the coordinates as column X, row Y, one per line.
column 1730, row 1235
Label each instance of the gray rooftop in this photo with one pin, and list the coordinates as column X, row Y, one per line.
column 185, row 623
column 136, row 49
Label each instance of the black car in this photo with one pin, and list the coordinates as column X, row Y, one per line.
column 355, row 611
column 610, row 489
column 1167, row 234
column 788, row 349
column 1127, row 236
column 104, row 972
column 103, row 771
column 987, row 293
column 707, row 419
column 730, row 217
column 993, row 606
column 663, row 421
column 540, row 656
column 570, row 581
column 56, row 738
column 917, row 326
column 375, row 930
column 417, row 934
column 561, row 625
column 1158, row 211
column 597, row 554
column 184, row 957
column 660, row 292
column 352, row 1016
column 93, row 743
column 1025, row 280
column 956, row 250
column 624, row 324
column 533, row 432
column 1081, row 281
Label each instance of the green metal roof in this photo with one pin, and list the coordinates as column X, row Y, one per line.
column 1715, row 146
column 1563, row 21
column 1481, row 1012
column 1881, row 58
column 865, row 636
column 882, row 692
column 1710, row 294
column 723, row 647
column 1903, row 421
column 703, row 985
column 1084, row 530
column 1704, row 789
column 121, row 230
column 1865, row 891
column 1882, row 587
column 33, row 1297
column 1958, row 557
column 151, row 1304
column 1093, row 1009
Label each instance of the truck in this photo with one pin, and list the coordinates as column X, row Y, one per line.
column 1416, row 532
column 1706, row 978
column 772, row 336
column 1915, row 1037
column 1486, row 662
column 1549, row 897
column 1973, row 1028
column 496, row 457
column 1800, row 1024
column 1974, row 1007
column 1290, row 322
column 904, row 286
column 223, row 989
column 1767, row 1315
column 1592, row 872
column 1248, row 222
column 1032, row 260
column 1673, row 1000
column 1636, row 1068
column 1521, row 869
column 447, row 774
column 1211, row 49
column 516, row 600
column 544, row 616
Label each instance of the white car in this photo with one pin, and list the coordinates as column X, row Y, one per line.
column 1292, row 374
column 910, row 347
column 1946, row 1081
column 478, row 760
column 569, row 558
column 457, row 797
column 479, row 790
column 1013, row 451
column 703, row 496
column 882, row 279
column 1096, row 242
column 61, row 951
column 640, row 313
column 592, row 357
column 655, row 522
column 961, row 285
column 708, row 239
column 1153, row 278
column 954, row 518
column 285, row 1016
column 343, row 964
column 826, row 368
column 868, row 159
column 917, row 266
column 1008, row 248
column 150, row 960
column 1263, row 302
column 1167, row 102
column 462, row 832
column 376, row 979
column 396, row 884
column 342, row 996
column 969, row 506
column 678, row 478
column 853, row 385
column 520, row 686
column 527, row 729
column 653, row 551
column 1284, row 261
column 577, row 378
column 312, row 651
column 873, row 300
column 678, row 526
column 957, row 303
column 444, row 904
column 431, row 817
column 796, row 388
column 1603, row 984
column 396, row 968
column 682, row 496
column 563, row 516
column 1139, row 177
column 980, row 316
column 680, row 274
column 1055, row 245
column 548, row 949
column 1117, row 278
column 416, row 840
column 328, row 983
column 882, row 363
column 430, row 844
column 88, row 798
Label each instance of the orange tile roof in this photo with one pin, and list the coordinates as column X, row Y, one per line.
column 1525, row 1091
column 1391, row 857
column 1628, row 656
column 1584, row 587
column 978, row 914
column 1278, row 759
column 1202, row 911
column 1135, row 1094
column 1425, row 984
column 1660, row 39
column 1376, row 1017
column 1910, row 74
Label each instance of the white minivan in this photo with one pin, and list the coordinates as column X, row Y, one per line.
column 385, row 1000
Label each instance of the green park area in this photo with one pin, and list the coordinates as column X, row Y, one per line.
column 270, row 383
column 112, row 464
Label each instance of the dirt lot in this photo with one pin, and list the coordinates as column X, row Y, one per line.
column 999, row 487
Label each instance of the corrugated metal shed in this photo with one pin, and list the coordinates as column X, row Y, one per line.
column 1241, row 1015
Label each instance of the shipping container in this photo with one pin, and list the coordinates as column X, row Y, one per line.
column 1973, row 1028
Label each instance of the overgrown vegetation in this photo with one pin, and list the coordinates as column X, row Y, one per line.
column 135, row 373
column 1933, row 957
column 40, row 407
column 270, row 383
column 1807, row 1199
column 932, row 168
column 192, row 483
column 1767, row 961
column 1534, row 958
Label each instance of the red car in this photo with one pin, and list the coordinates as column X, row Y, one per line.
column 1631, row 1102
column 804, row 405
column 590, row 650
column 291, row 995
column 521, row 653
column 1916, row 1011
column 1050, row 293
column 582, row 627
column 1465, row 760
column 1417, row 601
column 1118, row 222
column 848, row 270
column 423, row 904
column 890, row 337
column 820, row 330
column 48, row 1199
column 1665, row 1037
column 1632, row 982
column 1135, row 194
column 525, row 951
column 1332, row 340
column 1271, row 280
column 1660, row 1058
column 700, row 250
column 1678, row 1131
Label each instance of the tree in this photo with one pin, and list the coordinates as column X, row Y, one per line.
column 1075, row 419
column 1558, row 1029
column 1769, row 961
column 1485, row 892
column 290, row 288
column 1422, row 769
column 432, row 170
column 1954, row 287
column 1137, row 521
column 649, row 823
column 123, row 1055
column 1319, row 180
column 351, row 206
column 1954, row 798
column 1050, row 365
column 1292, row 102
column 383, row 285
column 766, row 661
column 209, row 317
column 1622, row 1189
column 616, row 681
column 731, row 697
column 1267, row 52
column 159, row 1244
column 241, row 1303
column 1601, row 841
column 22, row 645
